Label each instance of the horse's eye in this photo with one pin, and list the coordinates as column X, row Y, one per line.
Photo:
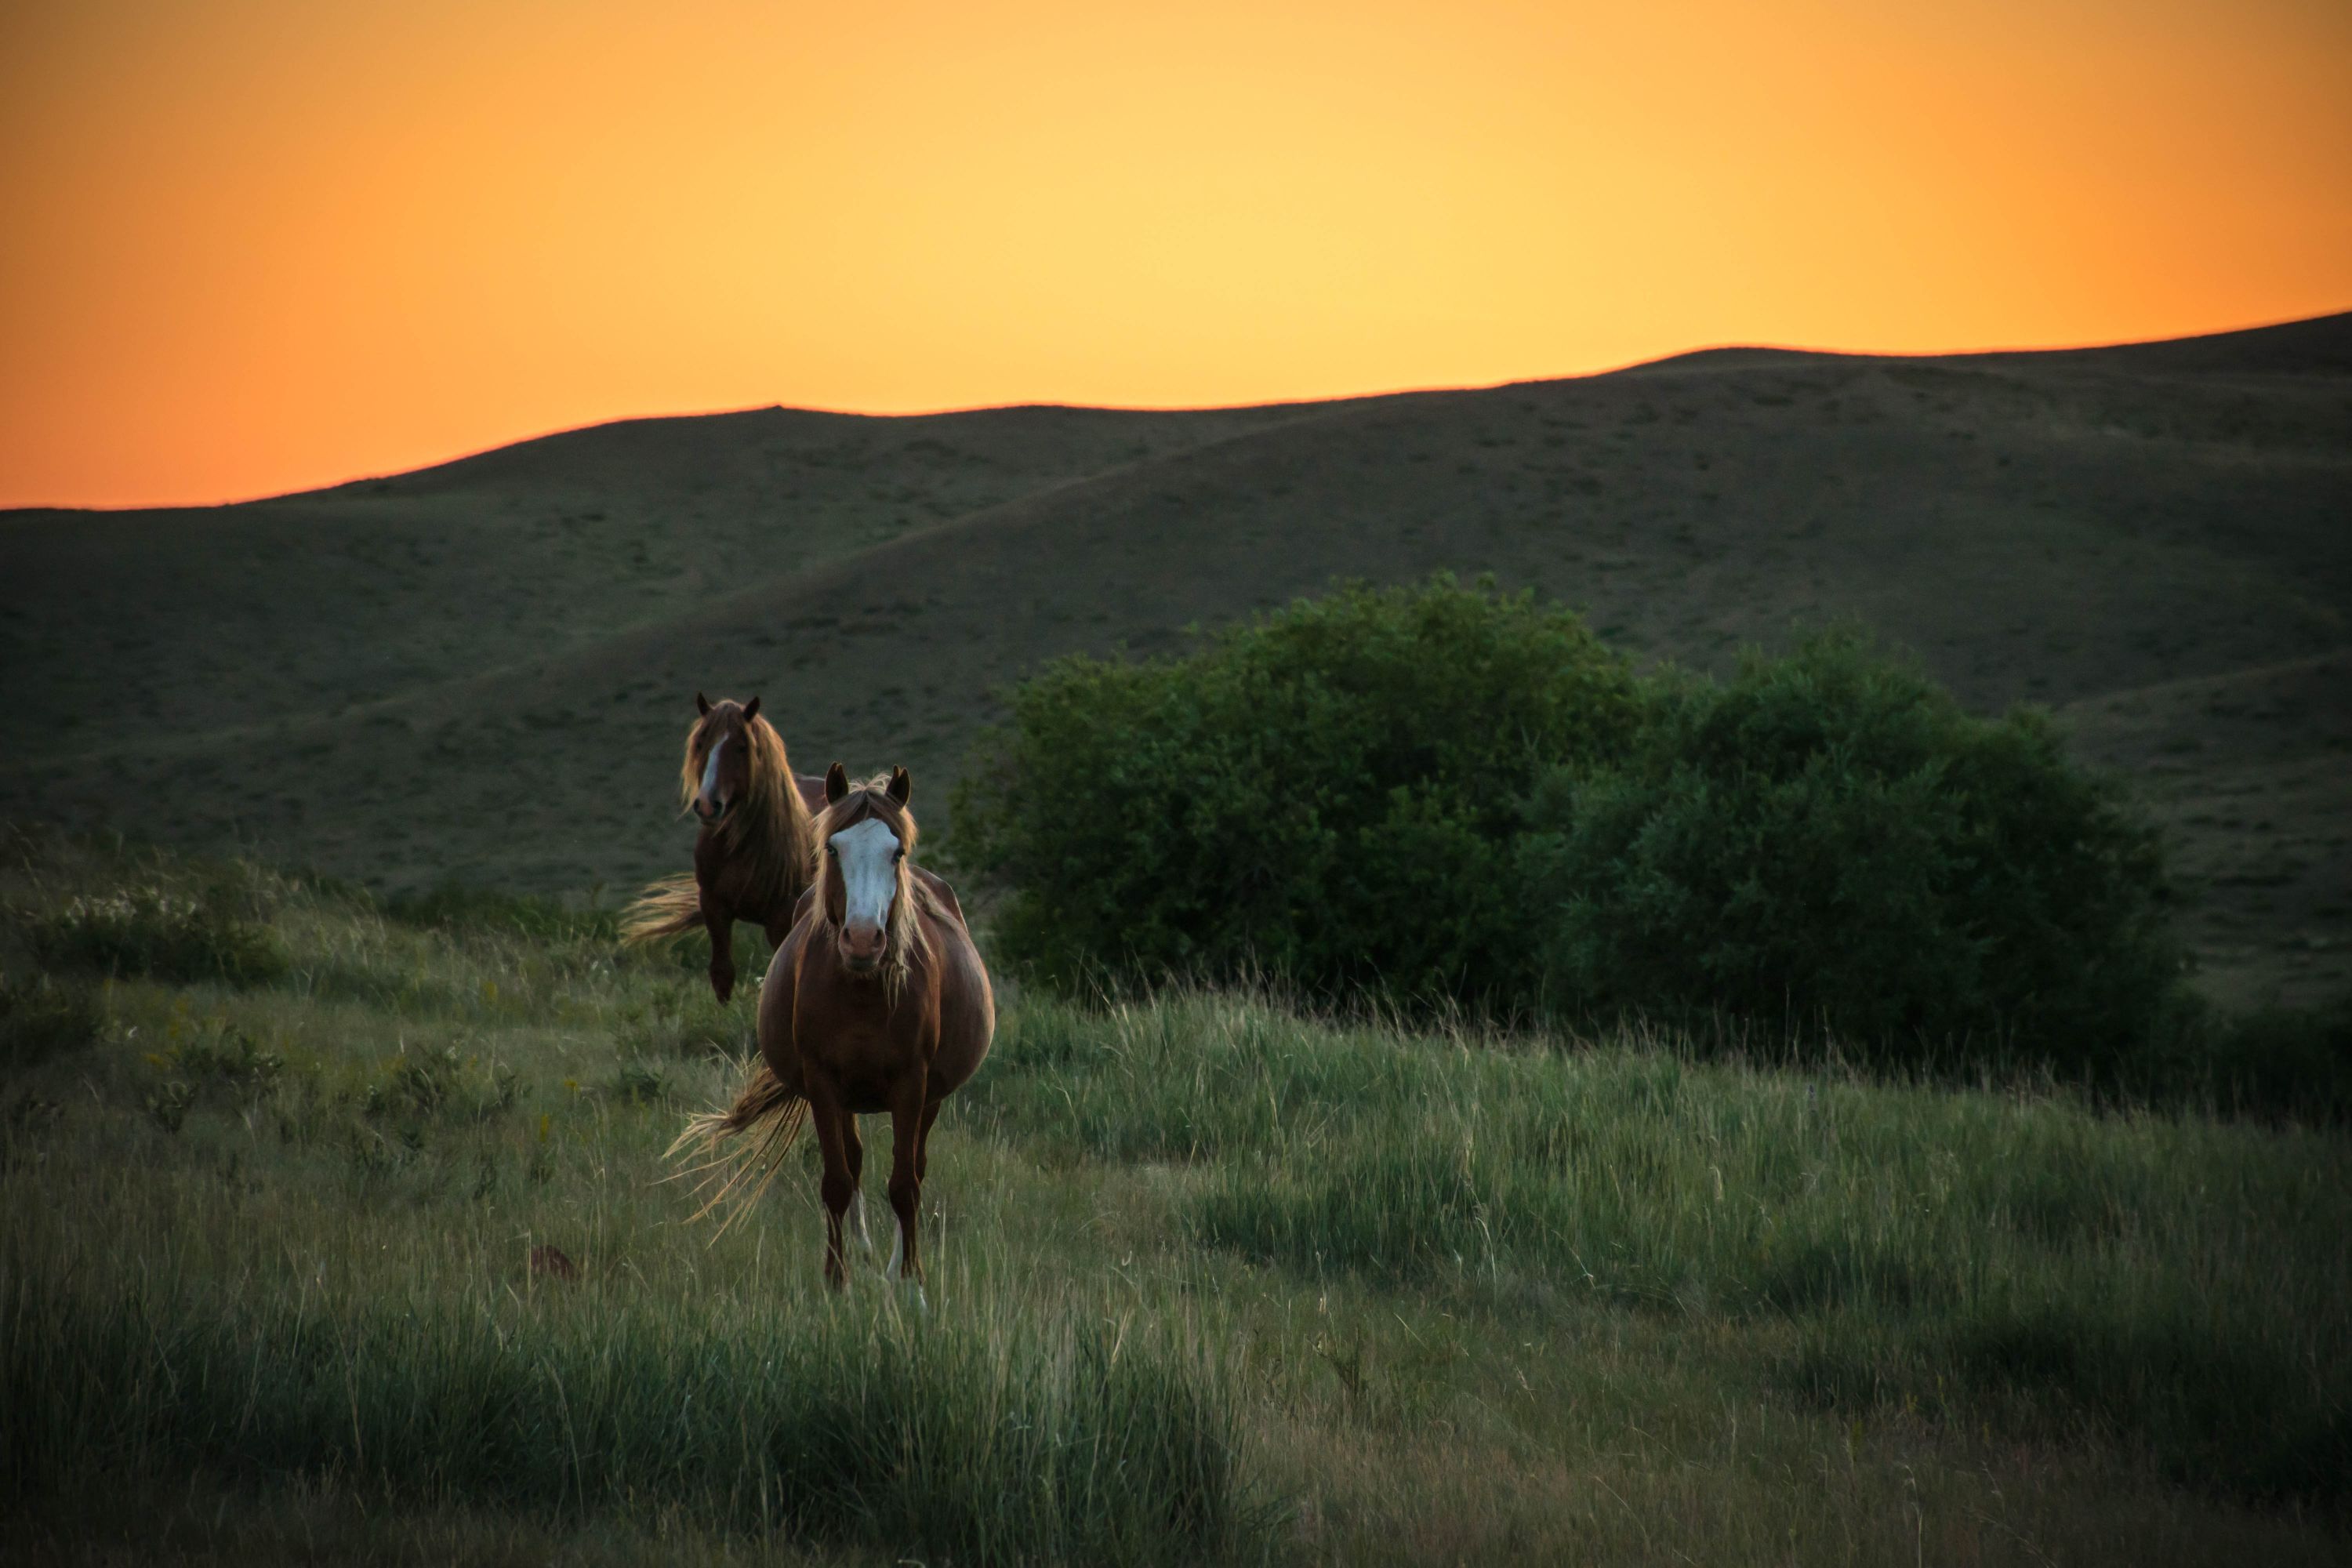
column 901, row 855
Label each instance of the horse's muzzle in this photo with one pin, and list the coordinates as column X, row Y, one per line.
column 861, row 950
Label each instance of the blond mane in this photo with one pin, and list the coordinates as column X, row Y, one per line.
column 770, row 828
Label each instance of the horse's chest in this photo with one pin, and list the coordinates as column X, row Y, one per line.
column 864, row 1058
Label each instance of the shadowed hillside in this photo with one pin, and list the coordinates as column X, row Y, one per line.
column 483, row 670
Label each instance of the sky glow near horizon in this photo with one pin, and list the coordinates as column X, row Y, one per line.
column 255, row 245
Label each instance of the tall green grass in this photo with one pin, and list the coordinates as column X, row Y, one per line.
column 1210, row 1282
column 996, row 1440
column 2183, row 1285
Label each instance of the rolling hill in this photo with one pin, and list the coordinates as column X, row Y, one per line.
column 482, row 671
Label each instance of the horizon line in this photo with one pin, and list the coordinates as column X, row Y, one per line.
column 1048, row 404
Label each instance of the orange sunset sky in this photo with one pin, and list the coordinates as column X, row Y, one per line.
column 253, row 245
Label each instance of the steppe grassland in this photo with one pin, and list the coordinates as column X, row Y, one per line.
column 1208, row 1279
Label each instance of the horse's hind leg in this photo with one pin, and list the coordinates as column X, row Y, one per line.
column 824, row 1110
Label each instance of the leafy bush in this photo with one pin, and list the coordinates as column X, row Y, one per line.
column 38, row 1018
column 163, row 935
column 1827, row 842
column 1329, row 794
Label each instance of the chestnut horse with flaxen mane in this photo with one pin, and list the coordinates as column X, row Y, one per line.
column 877, row 1002
column 752, row 856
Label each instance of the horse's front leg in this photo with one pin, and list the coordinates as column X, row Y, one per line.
column 909, row 1121
column 856, row 1148
column 838, row 1185
column 722, row 925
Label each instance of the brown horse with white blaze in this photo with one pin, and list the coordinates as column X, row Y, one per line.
column 752, row 854
column 877, row 1002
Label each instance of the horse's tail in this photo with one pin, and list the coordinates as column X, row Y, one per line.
column 770, row 1113
column 665, row 909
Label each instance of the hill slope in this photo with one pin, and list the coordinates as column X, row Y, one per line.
column 482, row 670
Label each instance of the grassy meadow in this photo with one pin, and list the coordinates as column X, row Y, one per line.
column 1210, row 1282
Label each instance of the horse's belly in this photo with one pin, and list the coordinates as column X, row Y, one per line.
column 964, row 1036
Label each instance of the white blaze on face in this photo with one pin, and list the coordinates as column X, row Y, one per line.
column 710, row 775
column 868, row 853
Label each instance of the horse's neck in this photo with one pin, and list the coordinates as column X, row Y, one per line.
column 756, row 858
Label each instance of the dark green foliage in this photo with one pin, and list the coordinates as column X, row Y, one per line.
column 160, row 934
column 39, row 1018
column 1327, row 794
column 1828, row 845
column 1012, row 1443
column 1444, row 793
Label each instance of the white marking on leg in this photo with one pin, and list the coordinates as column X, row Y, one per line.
column 858, row 1221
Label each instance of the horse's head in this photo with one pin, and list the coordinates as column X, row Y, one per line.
column 718, row 773
column 867, row 834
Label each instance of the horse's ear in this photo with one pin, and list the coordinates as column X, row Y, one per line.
column 701, row 703
column 836, row 783
column 901, row 786
column 750, row 710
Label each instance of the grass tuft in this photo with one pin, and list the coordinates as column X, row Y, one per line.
column 156, row 934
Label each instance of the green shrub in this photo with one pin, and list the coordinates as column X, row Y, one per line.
column 162, row 935
column 1827, row 844
column 1327, row 794
column 39, row 1018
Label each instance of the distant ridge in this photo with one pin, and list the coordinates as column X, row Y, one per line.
column 481, row 669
